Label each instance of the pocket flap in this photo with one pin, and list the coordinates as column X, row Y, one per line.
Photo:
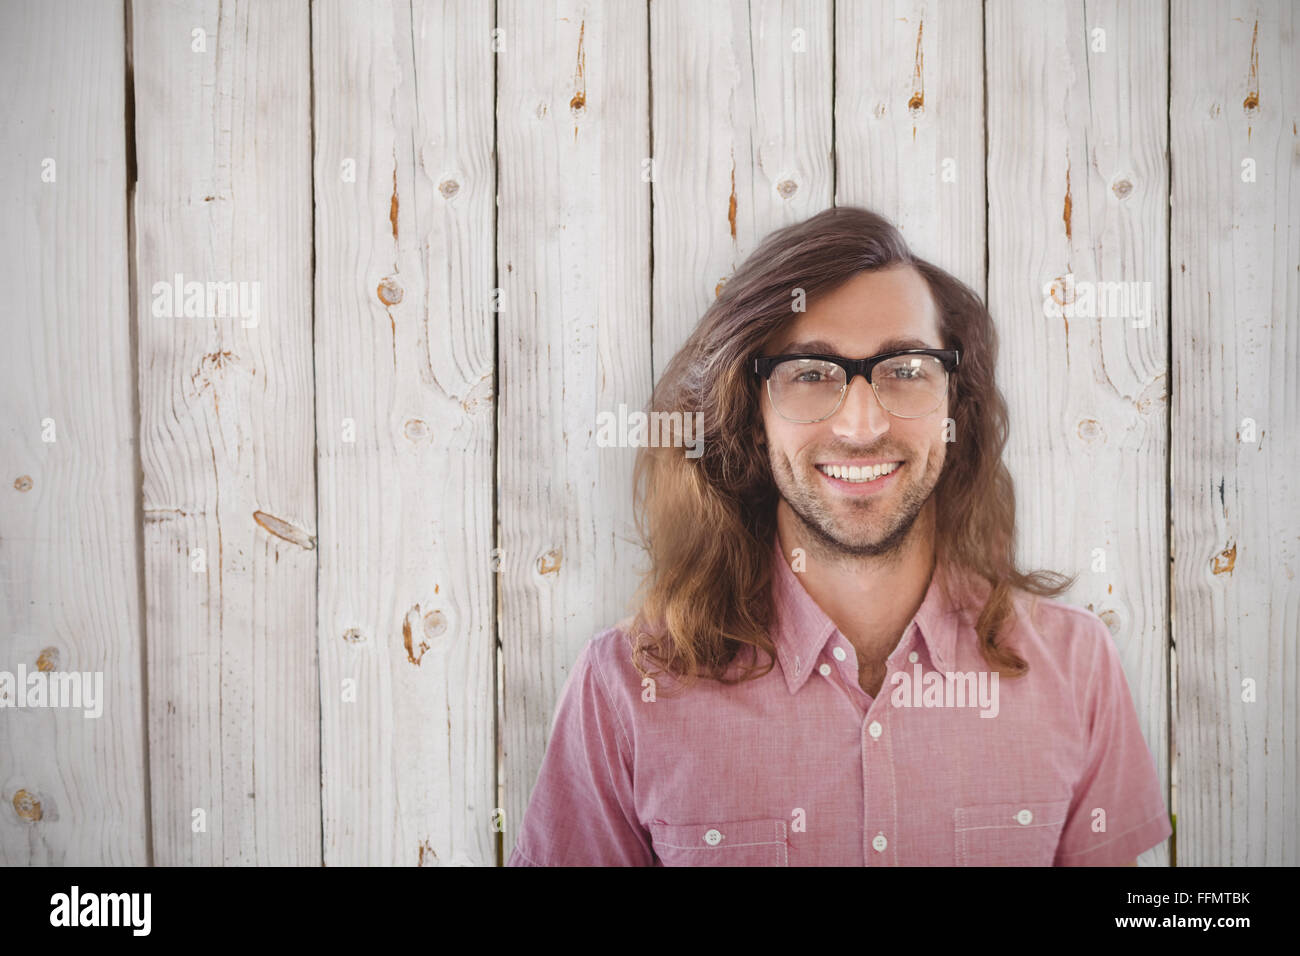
column 719, row 835
column 1025, row 815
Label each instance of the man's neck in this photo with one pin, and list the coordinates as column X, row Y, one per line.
column 870, row 599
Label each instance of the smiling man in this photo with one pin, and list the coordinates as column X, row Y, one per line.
column 836, row 660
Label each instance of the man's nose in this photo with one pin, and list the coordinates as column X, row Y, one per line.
column 861, row 416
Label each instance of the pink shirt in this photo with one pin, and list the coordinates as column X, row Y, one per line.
column 802, row 768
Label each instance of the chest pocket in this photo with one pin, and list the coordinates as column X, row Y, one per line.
column 721, row 843
column 1008, row 834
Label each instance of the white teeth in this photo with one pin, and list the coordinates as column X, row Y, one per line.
column 856, row 473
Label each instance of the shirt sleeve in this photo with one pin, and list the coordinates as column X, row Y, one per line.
column 581, row 811
column 1119, row 777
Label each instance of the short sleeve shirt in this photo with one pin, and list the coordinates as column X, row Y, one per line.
column 945, row 766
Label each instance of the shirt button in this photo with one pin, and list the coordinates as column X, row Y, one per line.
column 879, row 843
column 712, row 837
column 839, row 653
column 912, row 657
column 873, row 728
column 1024, row 817
column 824, row 670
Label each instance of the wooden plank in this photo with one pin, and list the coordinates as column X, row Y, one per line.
column 1077, row 184
column 1234, row 262
column 742, row 142
column 909, row 125
column 406, row 417
column 574, row 341
column 72, row 785
column 227, row 437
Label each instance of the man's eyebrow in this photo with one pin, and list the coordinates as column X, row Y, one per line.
column 825, row 348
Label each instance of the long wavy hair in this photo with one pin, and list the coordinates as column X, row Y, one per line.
column 708, row 522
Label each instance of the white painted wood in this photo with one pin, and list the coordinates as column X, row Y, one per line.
column 404, row 187
column 72, row 787
column 223, row 140
column 573, row 255
column 441, row 486
column 1077, row 183
column 742, row 142
column 909, row 125
column 1235, row 267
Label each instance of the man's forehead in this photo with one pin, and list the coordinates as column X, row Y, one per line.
column 879, row 311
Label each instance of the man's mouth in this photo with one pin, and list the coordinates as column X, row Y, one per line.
column 859, row 474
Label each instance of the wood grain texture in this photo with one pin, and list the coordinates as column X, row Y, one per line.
column 909, row 125
column 742, row 142
column 573, row 264
column 72, row 787
column 405, row 421
column 377, row 708
column 1077, row 184
column 227, row 440
column 1235, row 267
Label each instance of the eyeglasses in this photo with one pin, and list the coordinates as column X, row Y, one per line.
column 804, row 388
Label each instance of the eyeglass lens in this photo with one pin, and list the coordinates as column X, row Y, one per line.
column 809, row 389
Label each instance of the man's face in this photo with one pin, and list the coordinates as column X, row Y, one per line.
column 873, row 312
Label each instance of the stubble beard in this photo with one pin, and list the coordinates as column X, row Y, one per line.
column 837, row 539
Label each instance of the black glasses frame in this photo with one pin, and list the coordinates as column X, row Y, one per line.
column 763, row 366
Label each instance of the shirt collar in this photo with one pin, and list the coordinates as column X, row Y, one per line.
column 802, row 628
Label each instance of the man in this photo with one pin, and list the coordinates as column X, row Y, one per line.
column 849, row 667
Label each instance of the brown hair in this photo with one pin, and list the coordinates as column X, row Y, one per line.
column 708, row 522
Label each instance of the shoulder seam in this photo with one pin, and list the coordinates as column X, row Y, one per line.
column 604, row 693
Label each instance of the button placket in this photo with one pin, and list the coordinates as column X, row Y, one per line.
column 879, row 793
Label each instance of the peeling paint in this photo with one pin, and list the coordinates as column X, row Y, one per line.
column 579, row 102
column 389, row 290
column 731, row 203
column 408, row 638
column 392, row 206
column 1065, row 212
column 27, row 806
column 213, row 362
column 282, row 529
column 550, row 562
column 917, row 103
column 1225, row 560
column 1251, row 102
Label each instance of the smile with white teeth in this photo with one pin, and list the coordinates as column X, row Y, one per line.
column 854, row 473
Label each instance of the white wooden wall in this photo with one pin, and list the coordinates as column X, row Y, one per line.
column 335, row 565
